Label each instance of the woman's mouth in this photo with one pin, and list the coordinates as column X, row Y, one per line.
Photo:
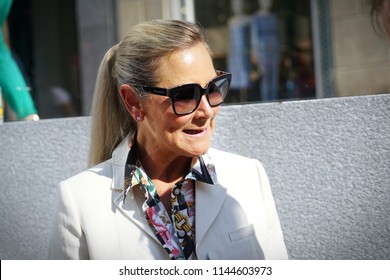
column 194, row 131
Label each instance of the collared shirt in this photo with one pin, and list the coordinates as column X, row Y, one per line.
column 176, row 233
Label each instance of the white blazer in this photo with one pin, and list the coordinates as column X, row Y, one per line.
column 235, row 218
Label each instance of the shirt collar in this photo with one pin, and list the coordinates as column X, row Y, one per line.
column 204, row 170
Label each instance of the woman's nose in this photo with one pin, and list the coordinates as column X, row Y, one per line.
column 204, row 109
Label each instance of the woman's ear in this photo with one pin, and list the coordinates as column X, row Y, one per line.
column 131, row 101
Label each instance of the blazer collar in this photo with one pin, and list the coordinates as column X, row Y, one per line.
column 118, row 162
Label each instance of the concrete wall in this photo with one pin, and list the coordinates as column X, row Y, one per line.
column 328, row 162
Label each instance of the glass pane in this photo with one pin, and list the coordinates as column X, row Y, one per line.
column 266, row 45
column 360, row 48
column 296, row 49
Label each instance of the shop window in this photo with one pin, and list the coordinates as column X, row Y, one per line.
column 267, row 45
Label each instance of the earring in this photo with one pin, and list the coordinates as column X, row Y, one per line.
column 138, row 118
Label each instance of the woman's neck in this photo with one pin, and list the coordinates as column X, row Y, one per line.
column 163, row 167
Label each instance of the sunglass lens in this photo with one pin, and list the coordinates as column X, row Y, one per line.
column 218, row 91
column 185, row 100
column 184, row 94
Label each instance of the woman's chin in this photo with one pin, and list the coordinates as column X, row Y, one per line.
column 195, row 151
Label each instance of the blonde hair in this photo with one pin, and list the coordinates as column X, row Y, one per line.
column 135, row 61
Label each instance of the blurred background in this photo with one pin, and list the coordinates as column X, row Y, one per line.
column 277, row 50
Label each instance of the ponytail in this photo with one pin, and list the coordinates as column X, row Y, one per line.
column 110, row 120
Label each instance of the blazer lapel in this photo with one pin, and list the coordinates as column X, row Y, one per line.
column 133, row 211
column 129, row 207
column 208, row 202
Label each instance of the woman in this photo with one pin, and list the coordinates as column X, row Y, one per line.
column 158, row 191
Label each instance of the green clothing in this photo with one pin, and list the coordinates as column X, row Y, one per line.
column 12, row 83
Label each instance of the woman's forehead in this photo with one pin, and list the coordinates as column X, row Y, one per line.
column 192, row 65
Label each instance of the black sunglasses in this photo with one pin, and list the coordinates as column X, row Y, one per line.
column 186, row 98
